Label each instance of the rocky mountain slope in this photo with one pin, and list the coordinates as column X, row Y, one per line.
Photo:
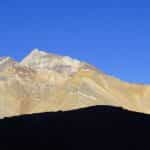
column 44, row 82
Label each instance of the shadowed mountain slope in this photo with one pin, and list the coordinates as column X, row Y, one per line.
column 99, row 127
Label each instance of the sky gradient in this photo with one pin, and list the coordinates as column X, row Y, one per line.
column 112, row 35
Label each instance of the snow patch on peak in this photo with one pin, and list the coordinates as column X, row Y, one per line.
column 40, row 60
column 36, row 52
column 73, row 63
column 4, row 60
column 70, row 61
column 36, row 56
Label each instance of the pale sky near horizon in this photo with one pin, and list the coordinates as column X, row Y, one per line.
column 112, row 35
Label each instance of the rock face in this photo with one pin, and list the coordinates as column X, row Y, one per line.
column 45, row 82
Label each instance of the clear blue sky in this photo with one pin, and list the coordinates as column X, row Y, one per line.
column 112, row 35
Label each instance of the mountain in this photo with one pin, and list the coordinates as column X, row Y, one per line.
column 44, row 82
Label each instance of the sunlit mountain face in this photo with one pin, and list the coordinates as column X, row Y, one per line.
column 44, row 82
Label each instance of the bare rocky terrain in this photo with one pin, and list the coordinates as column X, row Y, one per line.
column 44, row 82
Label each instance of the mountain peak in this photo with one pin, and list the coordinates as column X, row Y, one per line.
column 36, row 57
column 36, row 52
column 40, row 60
column 6, row 62
column 5, row 59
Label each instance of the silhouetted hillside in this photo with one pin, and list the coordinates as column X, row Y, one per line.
column 99, row 127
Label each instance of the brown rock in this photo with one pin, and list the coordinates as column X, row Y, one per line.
column 45, row 82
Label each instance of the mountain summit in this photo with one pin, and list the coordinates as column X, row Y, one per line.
column 44, row 82
column 41, row 60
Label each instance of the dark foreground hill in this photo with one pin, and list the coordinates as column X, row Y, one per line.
column 94, row 128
